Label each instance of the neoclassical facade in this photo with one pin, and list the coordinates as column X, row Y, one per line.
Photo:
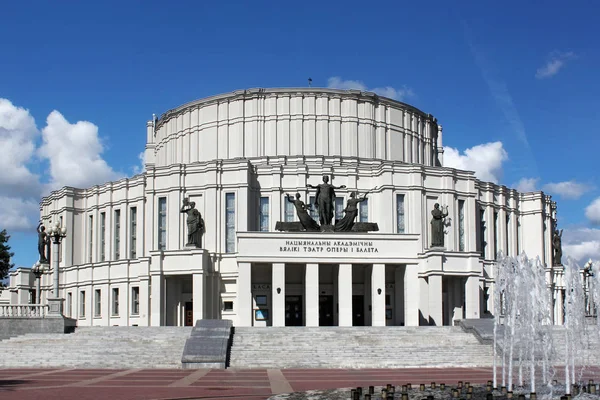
column 236, row 156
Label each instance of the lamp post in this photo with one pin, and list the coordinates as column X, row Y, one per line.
column 56, row 234
column 38, row 271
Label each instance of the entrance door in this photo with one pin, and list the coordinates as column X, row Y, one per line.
column 325, row 310
column 293, row 310
column 189, row 313
column 358, row 310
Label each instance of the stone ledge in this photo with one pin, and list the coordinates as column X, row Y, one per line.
column 209, row 345
column 50, row 324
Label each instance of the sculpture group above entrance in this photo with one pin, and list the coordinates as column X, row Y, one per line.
column 324, row 203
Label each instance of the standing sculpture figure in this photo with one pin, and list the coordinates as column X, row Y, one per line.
column 437, row 225
column 42, row 243
column 195, row 224
column 557, row 246
column 306, row 220
column 351, row 211
column 324, row 200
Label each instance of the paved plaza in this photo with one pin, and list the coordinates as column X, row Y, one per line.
column 146, row 384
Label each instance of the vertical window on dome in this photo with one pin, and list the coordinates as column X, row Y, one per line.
column 90, row 237
column 364, row 211
column 461, row 225
column 263, row 214
column 339, row 208
column 289, row 210
column 117, row 234
column 314, row 214
column 133, row 232
column 400, row 225
column 102, row 236
column 230, row 222
column 162, row 223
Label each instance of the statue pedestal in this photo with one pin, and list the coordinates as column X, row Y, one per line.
column 326, row 228
column 55, row 307
column 192, row 246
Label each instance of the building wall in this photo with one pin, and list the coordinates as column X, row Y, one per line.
column 266, row 143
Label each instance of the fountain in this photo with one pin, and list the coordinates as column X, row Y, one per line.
column 524, row 348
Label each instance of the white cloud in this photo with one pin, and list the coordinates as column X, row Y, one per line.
column 138, row 169
column 17, row 141
column 336, row 82
column 485, row 159
column 556, row 61
column 582, row 244
column 527, row 185
column 592, row 212
column 74, row 153
column 568, row 190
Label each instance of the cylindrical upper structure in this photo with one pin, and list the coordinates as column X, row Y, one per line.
column 296, row 122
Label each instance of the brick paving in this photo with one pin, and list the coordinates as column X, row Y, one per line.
column 157, row 384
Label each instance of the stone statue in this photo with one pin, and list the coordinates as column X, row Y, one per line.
column 557, row 247
column 195, row 223
column 306, row 220
column 43, row 240
column 351, row 211
column 437, row 225
column 324, row 200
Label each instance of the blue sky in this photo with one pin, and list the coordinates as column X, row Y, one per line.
column 90, row 74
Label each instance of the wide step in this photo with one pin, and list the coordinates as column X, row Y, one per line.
column 357, row 347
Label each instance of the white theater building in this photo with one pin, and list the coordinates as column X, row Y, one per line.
column 236, row 155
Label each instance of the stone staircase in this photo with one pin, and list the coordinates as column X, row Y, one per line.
column 588, row 350
column 98, row 347
column 357, row 347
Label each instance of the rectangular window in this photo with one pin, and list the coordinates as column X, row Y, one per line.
column 364, row 211
column 135, row 300
column 263, row 215
column 133, row 232
column 507, row 231
column 97, row 303
column 229, row 222
column 314, row 214
column 339, row 208
column 62, row 243
column 70, row 304
column 518, row 236
column 162, row 223
column 117, row 234
column 482, row 241
column 496, row 241
column 400, row 225
column 102, row 236
column 461, row 225
column 115, row 301
column 289, row 211
column 82, row 304
column 91, row 237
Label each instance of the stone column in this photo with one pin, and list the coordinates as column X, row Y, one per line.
column 244, row 294
column 472, row 297
column 411, row 295
column 311, row 287
column 345, row 295
column 560, row 319
column 435, row 300
column 278, row 293
column 157, row 294
column 378, row 295
column 198, row 293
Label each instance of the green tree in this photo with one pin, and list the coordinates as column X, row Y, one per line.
column 5, row 256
